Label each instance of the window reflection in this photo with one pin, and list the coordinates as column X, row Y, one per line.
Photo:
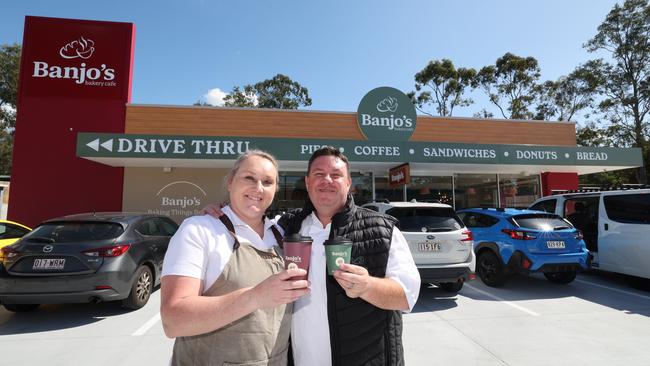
column 518, row 190
column 476, row 190
column 383, row 191
column 430, row 189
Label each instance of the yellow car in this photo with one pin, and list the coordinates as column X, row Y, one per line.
column 10, row 232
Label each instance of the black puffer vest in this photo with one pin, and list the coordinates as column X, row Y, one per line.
column 360, row 333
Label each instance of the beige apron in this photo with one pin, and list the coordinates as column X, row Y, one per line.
column 258, row 339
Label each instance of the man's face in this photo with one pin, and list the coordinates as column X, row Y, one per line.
column 328, row 184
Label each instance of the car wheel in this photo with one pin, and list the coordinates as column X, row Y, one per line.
column 21, row 308
column 560, row 277
column 140, row 290
column 490, row 269
column 452, row 286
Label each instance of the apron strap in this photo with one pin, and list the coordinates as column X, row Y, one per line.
column 231, row 228
column 278, row 236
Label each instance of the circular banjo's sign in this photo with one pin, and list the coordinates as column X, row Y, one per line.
column 386, row 114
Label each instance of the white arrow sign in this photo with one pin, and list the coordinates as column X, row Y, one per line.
column 94, row 144
column 108, row 145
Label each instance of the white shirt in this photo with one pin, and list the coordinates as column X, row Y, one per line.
column 202, row 246
column 310, row 335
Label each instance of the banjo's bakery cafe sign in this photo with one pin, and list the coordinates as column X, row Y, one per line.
column 81, row 146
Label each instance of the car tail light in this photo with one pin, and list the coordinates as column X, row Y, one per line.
column 519, row 234
column 8, row 252
column 469, row 234
column 579, row 235
column 114, row 251
column 103, row 288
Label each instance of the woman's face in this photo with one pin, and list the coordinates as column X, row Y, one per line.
column 253, row 187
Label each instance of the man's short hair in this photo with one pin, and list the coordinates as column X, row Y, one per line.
column 328, row 151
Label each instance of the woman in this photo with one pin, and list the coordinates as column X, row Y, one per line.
column 225, row 294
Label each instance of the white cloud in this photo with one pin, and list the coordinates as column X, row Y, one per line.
column 214, row 97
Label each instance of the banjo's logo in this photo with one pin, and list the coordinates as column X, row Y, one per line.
column 388, row 105
column 386, row 114
column 82, row 48
column 178, row 195
column 79, row 48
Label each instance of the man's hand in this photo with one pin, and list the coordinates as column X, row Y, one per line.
column 213, row 209
column 355, row 280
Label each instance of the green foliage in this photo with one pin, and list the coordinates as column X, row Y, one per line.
column 560, row 100
column 6, row 147
column 279, row 92
column 483, row 113
column 609, row 179
column 442, row 86
column 9, row 67
column 511, row 84
column 625, row 88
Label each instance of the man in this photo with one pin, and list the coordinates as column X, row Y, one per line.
column 354, row 317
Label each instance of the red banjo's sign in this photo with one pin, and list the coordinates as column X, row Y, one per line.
column 399, row 175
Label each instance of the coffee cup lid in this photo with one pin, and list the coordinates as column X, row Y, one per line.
column 297, row 238
column 338, row 240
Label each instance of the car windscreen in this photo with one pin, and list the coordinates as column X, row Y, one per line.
column 66, row 232
column 541, row 222
column 432, row 218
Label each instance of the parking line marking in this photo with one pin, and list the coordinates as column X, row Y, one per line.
column 614, row 289
column 150, row 323
column 518, row 307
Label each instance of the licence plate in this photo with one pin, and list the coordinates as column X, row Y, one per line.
column 555, row 244
column 49, row 263
column 429, row 247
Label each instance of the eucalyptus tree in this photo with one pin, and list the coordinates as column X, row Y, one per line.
column 9, row 67
column 625, row 36
column 511, row 85
column 278, row 92
column 442, row 86
column 562, row 99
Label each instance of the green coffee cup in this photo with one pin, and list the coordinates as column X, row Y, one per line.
column 337, row 251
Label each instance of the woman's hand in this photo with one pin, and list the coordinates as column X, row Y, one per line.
column 280, row 289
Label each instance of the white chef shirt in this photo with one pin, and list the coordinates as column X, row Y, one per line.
column 310, row 336
column 202, row 246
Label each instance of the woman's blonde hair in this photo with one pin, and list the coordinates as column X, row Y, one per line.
column 254, row 152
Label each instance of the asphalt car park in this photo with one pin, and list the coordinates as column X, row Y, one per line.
column 598, row 319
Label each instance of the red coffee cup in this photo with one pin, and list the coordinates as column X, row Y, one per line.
column 297, row 253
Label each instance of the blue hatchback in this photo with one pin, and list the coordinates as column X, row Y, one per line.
column 509, row 241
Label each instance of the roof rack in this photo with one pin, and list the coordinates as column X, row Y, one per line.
column 591, row 189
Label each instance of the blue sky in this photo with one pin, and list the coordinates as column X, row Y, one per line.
column 338, row 49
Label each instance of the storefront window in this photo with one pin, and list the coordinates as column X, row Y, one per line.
column 384, row 192
column 291, row 194
column 430, row 189
column 293, row 191
column 518, row 190
column 476, row 190
column 361, row 188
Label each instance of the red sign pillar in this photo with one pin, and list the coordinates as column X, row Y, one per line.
column 75, row 76
column 558, row 181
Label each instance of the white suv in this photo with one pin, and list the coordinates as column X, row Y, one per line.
column 439, row 241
